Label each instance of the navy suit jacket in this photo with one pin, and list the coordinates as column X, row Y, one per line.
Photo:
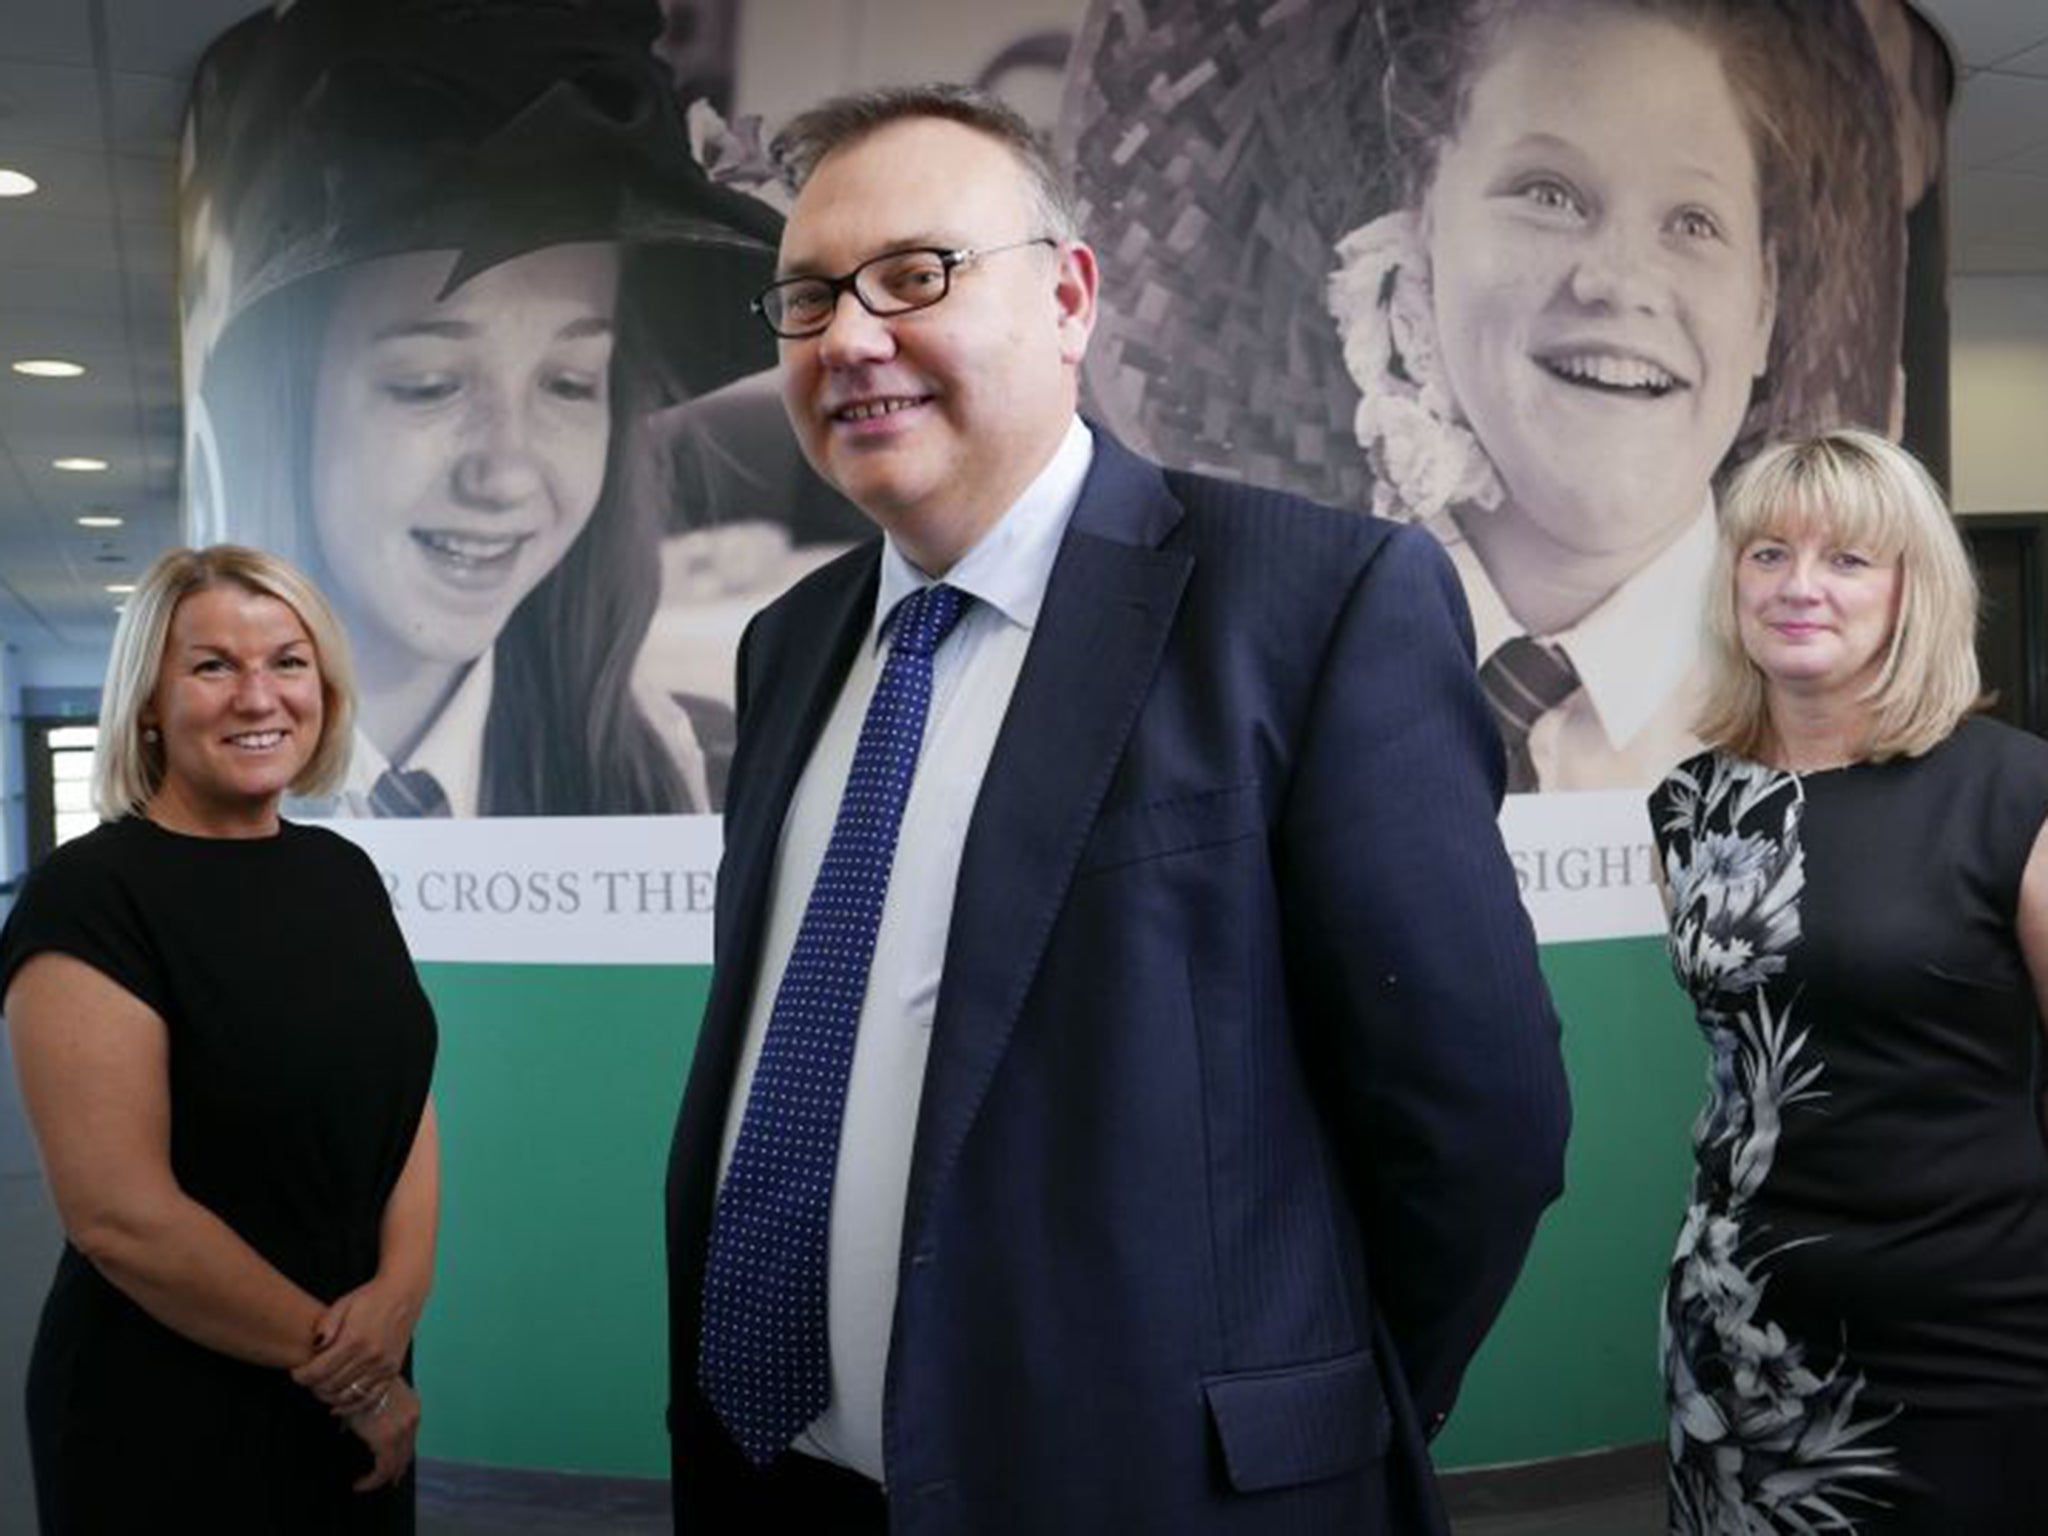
column 1244, row 1092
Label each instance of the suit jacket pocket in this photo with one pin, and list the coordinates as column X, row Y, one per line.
column 1301, row 1424
column 1130, row 834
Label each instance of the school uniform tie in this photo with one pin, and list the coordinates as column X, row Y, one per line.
column 408, row 792
column 763, row 1363
column 1523, row 681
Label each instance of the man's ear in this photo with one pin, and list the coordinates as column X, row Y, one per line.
column 1074, row 289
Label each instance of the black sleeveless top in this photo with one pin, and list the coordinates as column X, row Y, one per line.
column 301, row 1046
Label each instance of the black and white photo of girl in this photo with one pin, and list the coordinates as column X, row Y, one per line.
column 1534, row 273
column 445, row 266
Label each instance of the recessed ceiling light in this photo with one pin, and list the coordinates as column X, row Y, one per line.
column 100, row 520
column 49, row 368
column 15, row 183
column 120, row 588
column 82, row 466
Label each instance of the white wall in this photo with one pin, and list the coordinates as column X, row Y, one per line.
column 75, row 666
column 22, row 667
column 1998, row 392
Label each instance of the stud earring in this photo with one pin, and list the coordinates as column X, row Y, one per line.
column 149, row 733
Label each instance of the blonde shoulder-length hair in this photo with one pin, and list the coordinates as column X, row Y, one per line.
column 1852, row 488
column 129, row 767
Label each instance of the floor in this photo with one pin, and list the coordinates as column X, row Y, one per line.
column 1639, row 1514
column 456, row 1501
column 1638, row 1511
column 447, row 1509
column 451, row 1505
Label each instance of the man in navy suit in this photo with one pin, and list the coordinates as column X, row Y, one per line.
column 1205, row 1091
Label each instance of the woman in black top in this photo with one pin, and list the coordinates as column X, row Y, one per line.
column 225, row 1055
column 1856, row 1321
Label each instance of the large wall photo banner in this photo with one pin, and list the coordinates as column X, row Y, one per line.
column 451, row 275
column 465, row 310
column 464, row 297
column 1538, row 276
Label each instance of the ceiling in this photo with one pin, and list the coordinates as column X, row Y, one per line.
column 1998, row 134
column 90, row 97
column 91, row 93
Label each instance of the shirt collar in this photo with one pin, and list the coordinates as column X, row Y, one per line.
column 1634, row 648
column 452, row 749
column 1010, row 566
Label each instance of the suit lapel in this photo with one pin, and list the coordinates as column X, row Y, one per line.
column 1108, row 611
column 816, row 639
column 784, row 727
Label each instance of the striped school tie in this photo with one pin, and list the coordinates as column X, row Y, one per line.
column 1523, row 681
column 407, row 792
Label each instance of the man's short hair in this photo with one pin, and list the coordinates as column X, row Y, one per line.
column 809, row 137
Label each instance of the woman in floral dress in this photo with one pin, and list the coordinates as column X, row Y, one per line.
column 1855, row 1328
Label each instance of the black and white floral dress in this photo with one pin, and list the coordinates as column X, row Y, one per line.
column 1860, row 1284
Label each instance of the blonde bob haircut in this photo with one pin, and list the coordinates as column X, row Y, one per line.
column 1853, row 489
column 129, row 769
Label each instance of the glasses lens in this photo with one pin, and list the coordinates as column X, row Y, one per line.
column 904, row 280
column 801, row 305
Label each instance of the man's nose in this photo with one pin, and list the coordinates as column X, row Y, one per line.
column 853, row 336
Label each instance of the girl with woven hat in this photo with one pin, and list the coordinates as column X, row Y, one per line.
column 1534, row 272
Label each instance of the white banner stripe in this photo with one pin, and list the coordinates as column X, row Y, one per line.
column 549, row 890
column 638, row 890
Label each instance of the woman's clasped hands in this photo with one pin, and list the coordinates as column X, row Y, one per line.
column 360, row 1348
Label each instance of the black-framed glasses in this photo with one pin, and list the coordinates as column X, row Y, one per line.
column 893, row 283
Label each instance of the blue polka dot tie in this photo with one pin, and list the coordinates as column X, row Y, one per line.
column 764, row 1365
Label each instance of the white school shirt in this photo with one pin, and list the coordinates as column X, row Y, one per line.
column 452, row 749
column 1638, row 658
